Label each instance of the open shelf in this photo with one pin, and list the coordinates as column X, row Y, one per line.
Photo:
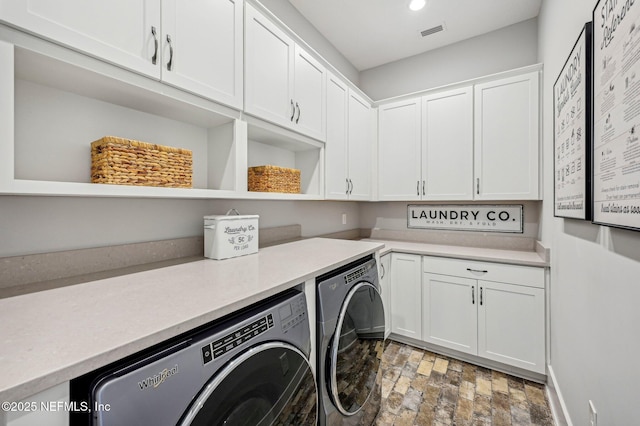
column 63, row 100
column 272, row 145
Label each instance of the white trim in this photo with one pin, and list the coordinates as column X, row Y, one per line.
column 556, row 401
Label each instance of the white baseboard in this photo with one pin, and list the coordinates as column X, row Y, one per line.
column 558, row 406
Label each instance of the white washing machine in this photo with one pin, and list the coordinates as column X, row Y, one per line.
column 250, row 369
column 350, row 336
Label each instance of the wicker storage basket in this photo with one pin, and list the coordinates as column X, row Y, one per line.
column 274, row 179
column 128, row 162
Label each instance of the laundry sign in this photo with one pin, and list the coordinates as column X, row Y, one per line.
column 458, row 217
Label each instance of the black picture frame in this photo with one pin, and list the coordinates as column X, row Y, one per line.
column 616, row 115
column 572, row 132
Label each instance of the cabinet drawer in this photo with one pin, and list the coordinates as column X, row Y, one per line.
column 514, row 274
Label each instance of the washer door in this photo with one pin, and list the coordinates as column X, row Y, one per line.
column 269, row 384
column 356, row 348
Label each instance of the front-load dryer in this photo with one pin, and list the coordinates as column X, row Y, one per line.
column 250, row 369
column 350, row 336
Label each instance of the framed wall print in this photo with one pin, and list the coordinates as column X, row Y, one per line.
column 616, row 114
column 572, row 132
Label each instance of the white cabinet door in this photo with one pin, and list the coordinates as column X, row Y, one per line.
column 336, row 153
column 399, row 151
column 204, row 54
column 406, row 300
column 447, row 163
column 309, row 95
column 450, row 312
column 385, row 282
column 360, row 147
column 269, row 57
column 506, row 138
column 117, row 31
column 511, row 325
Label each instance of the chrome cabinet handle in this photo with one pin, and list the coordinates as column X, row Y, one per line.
column 293, row 110
column 154, row 58
column 347, row 191
column 423, row 185
column 298, row 108
column 351, row 189
column 418, row 188
column 473, row 294
column 383, row 272
column 478, row 186
column 170, row 63
column 484, row 271
column 480, row 296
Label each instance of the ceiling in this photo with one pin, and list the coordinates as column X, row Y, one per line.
column 374, row 32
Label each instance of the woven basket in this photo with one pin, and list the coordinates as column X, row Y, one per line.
column 274, row 179
column 128, row 162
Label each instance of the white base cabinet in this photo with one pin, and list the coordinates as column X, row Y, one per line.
column 449, row 312
column 385, row 289
column 406, row 303
column 491, row 310
column 488, row 310
column 511, row 325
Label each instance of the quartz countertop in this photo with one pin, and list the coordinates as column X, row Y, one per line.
column 515, row 257
column 52, row 336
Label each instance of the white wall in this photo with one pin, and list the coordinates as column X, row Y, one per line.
column 595, row 285
column 44, row 224
column 393, row 216
column 508, row 48
column 290, row 16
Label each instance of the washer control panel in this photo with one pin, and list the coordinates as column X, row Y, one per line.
column 293, row 314
column 232, row 340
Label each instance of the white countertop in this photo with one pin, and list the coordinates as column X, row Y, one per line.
column 50, row 337
column 515, row 257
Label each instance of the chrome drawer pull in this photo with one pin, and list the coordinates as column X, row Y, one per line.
column 483, row 271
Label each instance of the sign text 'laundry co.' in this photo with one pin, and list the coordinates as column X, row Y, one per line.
column 457, row 217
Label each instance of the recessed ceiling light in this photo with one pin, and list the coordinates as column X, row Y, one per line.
column 416, row 4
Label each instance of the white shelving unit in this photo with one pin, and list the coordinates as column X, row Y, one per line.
column 59, row 101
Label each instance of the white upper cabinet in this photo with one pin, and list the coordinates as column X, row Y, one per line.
column 336, row 149
column 309, row 95
column 425, row 149
column 447, row 161
column 196, row 45
column 360, row 147
column 283, row 83
column 269, row 56
column 202, row 48
column 506, row 138
column 123, row 32
column 349, row 145
column 399, row 150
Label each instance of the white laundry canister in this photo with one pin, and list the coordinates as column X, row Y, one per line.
column 227, row 236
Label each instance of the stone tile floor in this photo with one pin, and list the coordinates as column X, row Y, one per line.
column 422, row 388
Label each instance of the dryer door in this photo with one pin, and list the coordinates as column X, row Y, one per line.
column 269, row 384
column 356, row 348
